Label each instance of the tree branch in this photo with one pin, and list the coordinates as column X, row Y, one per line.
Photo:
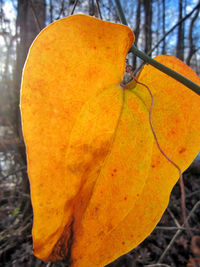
column 171, row 30
column 194, row 87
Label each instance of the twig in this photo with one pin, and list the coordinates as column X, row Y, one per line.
column 62, row 10
column 14, row 172
column 120, row 12
column 193, row 86
column 183, row 208
column 177, row 233
column 16, row 197
column 74, row 6
column 170, row 228
column 157, row 265
column 169, row 246
column 174, row 218
column 167, row 33
column 193, row 193
column 178, row 23
column 193, row 210
column 98, row 9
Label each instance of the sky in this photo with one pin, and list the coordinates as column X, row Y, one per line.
column 10, row 7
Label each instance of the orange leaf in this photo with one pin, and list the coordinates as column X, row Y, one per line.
column 98, row 183
column 119, row 184
column 176, row 122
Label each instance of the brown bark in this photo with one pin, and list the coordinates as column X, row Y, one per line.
column 30, row 13
column 30, row 17
column 180, row 37
column 192, row 48
column 163, row 27
column 137, row 29
column 157, row 32
column 148, row 24
column 92, row 8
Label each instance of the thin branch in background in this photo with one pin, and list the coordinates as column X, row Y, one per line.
column 15, row 172
column 120, row 12
column 174, row 218
column 51, row 10
column 183, row 207
column 177, row 24
column 170, row 228
column 98, row 9
column 163, row 27
column 37, row 22
column 167, row 33
column 177, row 233
column 17, row 197
column 137, row 29
column 175, row 75
column 157, row 265
column 74, row 6
column 193, row 193
column 128, row 69
column 62, row 10
column 192, row 49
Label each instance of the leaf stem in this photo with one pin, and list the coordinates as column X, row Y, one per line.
column 180, row 78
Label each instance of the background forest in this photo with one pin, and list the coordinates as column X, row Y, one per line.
column 160, row 27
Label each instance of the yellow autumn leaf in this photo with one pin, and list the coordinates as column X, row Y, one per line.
column 95, row 172
column 176, row 121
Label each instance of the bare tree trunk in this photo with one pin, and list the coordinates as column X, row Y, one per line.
column 30, row 16
column 163, row 27
column 158, row 26
column 148, row 24
column 27, row 28
column 196, row 65
column 92, row 8
column 51, row 11
column 180, row 38
column 192, row 48
column 137, row 29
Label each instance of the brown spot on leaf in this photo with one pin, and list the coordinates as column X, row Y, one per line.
column 183, row 149
column 96, row 209
column 101, row 233
column 109, row 227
